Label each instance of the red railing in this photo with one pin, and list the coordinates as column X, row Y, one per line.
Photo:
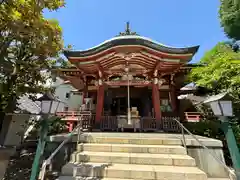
column 167, row 124
column 148, row 123
column 73, row 117
column 72, row 113
column 170, row 125
column 109, row 123
column 192, row 116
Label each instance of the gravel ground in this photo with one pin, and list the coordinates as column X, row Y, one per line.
column 20, row 164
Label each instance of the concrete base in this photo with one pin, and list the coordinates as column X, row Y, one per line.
column 203, row 159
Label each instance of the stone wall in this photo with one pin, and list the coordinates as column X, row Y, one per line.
column 17, row 127
column 204, row 160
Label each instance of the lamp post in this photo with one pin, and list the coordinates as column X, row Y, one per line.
column 221, row 106
column 128, row 97
column 49, row 106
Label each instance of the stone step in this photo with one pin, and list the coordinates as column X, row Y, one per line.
column 67, row 178
column 131, row 140
column 146, row 172
column 134, row 158
column 218, row 179
column 132, row 148
column 81, row 178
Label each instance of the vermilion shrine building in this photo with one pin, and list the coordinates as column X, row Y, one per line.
column 131, row 81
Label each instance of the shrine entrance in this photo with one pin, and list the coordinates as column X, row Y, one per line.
column 118, row 102
column 119, row 106
column 137, row 103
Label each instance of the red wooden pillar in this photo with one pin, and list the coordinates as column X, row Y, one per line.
column 85, row 89
column 156, row 102
column 173, row 96
column 99, row 107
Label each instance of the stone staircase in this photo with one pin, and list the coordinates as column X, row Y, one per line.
column 131, row 158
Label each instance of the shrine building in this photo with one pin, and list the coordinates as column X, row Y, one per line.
column 130, row 81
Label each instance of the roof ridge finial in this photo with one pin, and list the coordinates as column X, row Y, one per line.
column 127, row 31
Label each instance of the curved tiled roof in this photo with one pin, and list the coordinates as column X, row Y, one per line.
column 26, row 104
column 131, row 40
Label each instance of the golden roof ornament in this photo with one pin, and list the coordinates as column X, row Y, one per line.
column 128, row 31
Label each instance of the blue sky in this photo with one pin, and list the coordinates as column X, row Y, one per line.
column 179, row 23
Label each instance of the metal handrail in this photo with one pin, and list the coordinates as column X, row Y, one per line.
column 207, row 149
column 69, row 136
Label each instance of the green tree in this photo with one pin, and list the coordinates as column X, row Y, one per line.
column 229, row 14
column 220, row 71
column 63, row 63
column 28, row 43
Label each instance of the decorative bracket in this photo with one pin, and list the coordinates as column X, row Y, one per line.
column 161, row 82
column 100, row 82
column 155, row 80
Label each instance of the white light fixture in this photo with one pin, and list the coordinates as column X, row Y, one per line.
column 49, row 104
column 220, row 104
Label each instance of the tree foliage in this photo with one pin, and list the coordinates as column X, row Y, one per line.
column 28, row 42
column 220, row 72
column 229, row 14
column 63, row 63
